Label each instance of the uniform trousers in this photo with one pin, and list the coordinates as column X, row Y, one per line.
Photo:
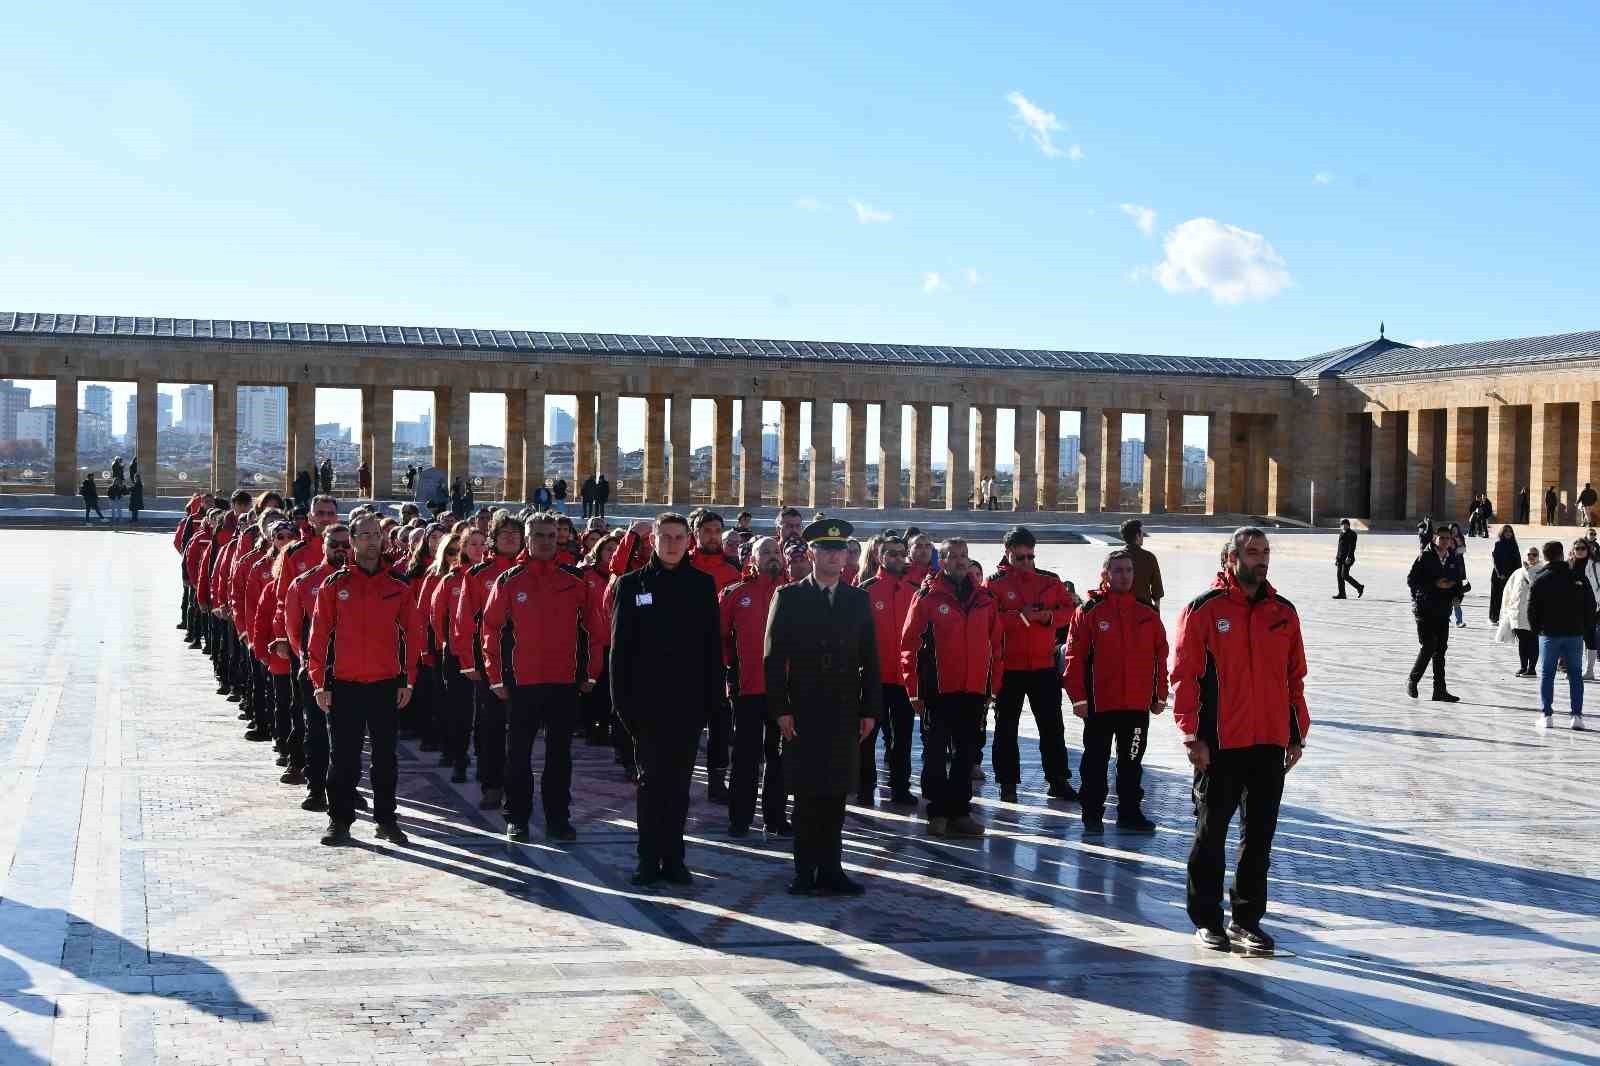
column 1042, row 688
column 553, row 708
column 1249, row 780
column 719, row 738
column 756, row 742
column 488, row 734
column 362, row 710
column 896, row 725
column 316, row 742
column 818, row 836
column 666, row 766
column 949, row 752
column 595, row 708
column 289, row 729
column 458, row 700
column 1130, row 731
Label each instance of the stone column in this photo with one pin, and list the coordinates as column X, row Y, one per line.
column 380, row 453
column 1546, row 455
column 889, row 454
column 983, row 462
column 583, row 438
column 655, row 462
column 460, row 450
column 1420, row 463
column 1501, row 485
column 789, row 453
column 1090, row 424
column 722, row 450
column 1588, row 444
column 66, row 462
column 145, row 433
column 750, row 485
column 1219, row 462
column 1279, row 465
column 607, row 459
column 516, row 434
column 1174, row 483
column 922, row 455
column 1049, row 451
column 530, row 403
column 855, row 454
column 1111, row 461
column 957, row 472
column 300, row 450
column 1156, row 424
column 441, row 430
column 1025, row 449
column 1458, row 446
column 678, row 429
column 224, row 435
column 821, row 487
column 1385, row 445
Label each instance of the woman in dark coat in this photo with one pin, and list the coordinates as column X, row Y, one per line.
column 91, row 498
column 1507, row 558
column 135, row 497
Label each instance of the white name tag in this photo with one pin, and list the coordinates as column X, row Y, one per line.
column 643, row 599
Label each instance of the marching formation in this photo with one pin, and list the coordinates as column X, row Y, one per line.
column 792, row 654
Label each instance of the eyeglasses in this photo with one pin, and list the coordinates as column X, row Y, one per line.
column 1024, row 558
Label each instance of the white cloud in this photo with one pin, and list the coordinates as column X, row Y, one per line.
column 809, row 203
column 1143, row 217
column 971, row 274
column 1234, row 265
column 866, row 213
column 1035, row 122
column 1322, row 177
column 932, row 282
column 1426, row 344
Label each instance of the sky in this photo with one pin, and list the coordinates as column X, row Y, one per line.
column 1267, row 181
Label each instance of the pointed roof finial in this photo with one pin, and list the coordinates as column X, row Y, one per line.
column 1380, row 331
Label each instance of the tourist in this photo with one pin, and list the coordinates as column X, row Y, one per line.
column 325, row 476
column 542, row 497
column 666, row 681
column 91, row 499
column 135, row 496
column 1458, row 563
column 889, row 591
column 1032, row 604
column 116, row 469
column 1433, row 581
column 1514, row 624
column 558, row 493
column 1425, row 533
column 1587, row 500
column 302, row 489
column 411, row 478
column 1344, row 559
column 1552, row 501
column 602, row 495
column 364, row 479
column 1585, row 561
column 586, row 495
column 1238, row 690
column 1115, row 673
column 743, row 608
column 294, row 629
column 1146, row 568
column 1561, row 610
column 1507, row 560
column 466, row 638
column 116, row 494
column 1524, row 513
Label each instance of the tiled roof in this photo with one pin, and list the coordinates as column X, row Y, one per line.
column 1478, row 355
column 1334, row 364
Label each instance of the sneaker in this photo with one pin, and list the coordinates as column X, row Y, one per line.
column 1545, row 722
column 562, row 832
column 391, row 832
column 938, row 827
column 1135, row 823
column 1251, row 939
column 337, row 835
column 1008, row 793
column 314, row 802
column 1063, row 790
column 1213, row 937
column 967, row 826
column 490, row 799
column 1093, row 825
column 1577, row 722
column 517, row 832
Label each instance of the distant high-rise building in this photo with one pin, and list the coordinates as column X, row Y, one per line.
column 94, row 430
column 97, row 401
column 560, row 427
column 769, row 447
column 1070, row 449
column 163, row 416
column 333, row 431
column 1132, row 461
column 13, row 401
column 196, row 405
column 262, row 413
column 38, row 424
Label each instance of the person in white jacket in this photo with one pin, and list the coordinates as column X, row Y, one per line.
column 1514, row 624
column 1582, row 561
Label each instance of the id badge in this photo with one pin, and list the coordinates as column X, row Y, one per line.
column 644, row 599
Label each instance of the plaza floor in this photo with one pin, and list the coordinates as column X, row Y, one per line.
column 1436, row 880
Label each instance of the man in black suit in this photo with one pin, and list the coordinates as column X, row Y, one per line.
column 821, row 661
column 1345, row 558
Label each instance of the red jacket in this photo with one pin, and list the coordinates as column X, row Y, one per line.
column 743, row 608
column 294, row 613
column 632, row 553
column 1116, row 656
column 205, row 587
column 260, row 619
column 194, row 557
column 425, row 587
column 364, row 628
column 305, row 554
column 442, row 608
column 465, row 623
column 544, row 612
column 723, row 572
column 238, row 580
column 890, row 598
column 1029, row 645
column 597, row 580
column 949, row 646
column 1238, row 678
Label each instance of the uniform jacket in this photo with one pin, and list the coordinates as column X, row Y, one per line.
column 1238, row 677
column 743, row 608
column 365, row 627
column 1560, row 602
column 1116, row 657
column 303, row 555
column 239, row 577
column 537, row 620
column 633, row 551
column 205, row 590
column 821, row 666
column 890, row 600
column 425, row 587
column 465, row 624
column 1028, row 645
column 442, row 609
column 666, row 652
column 294, row 614
column 949, row 644
column 261, row 610
column 596, row 580
column 194, row 554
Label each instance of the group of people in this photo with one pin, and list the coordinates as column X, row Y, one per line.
column 792, row 652
column 121, row 493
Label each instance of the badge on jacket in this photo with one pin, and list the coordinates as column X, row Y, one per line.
column 644, row 599
column 1223, row 625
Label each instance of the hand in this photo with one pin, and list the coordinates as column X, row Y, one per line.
column 498, row 690
column 470, row 675
column 786, row 727
column 1444, row 583
column 1200, row 756
column 866, row 727
column 586, row 686
column 1292, row 756
column 1080, row 709
column 324, row 700
column 402, row 697
column 280, row 648
column 1041, row 616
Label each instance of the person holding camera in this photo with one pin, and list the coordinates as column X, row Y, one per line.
column 1435, row 580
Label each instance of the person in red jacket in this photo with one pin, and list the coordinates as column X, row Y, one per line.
column 1033, row 606
column 365, row 639
column 950, row 660
column 462, row 551
column 193, row 515
column 1115, row 673
column 595, row 706
column 294, row 630
column 1238, row 698
column 251, row 684
column 466, row 640
column 707, row 557
column 194, row 553
column 889, row 593
column 288, row 730
column 743, row 609
column 538, row 655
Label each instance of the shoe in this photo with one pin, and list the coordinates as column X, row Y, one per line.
column 1461, row 625
column 561, row 832
column 903, row 798
column 783, row 830
column 978, row 774
column 1360, row 592
column 838, row 885
column 292, row 776
column 736, row 829
column 458, row 776
column 1008, row 793
column 938, row 827
column 314, row 802
column 361, row 803
column 1251, row 939
column 803, row 886
column 222, row 690
column 245, row 716
column 1093, row 825
column 257, row 734
column 967, row 826
column 1135, row 823
column 867, row 799
column 517, row 832
column 1339, row 597
column 677, row 873
column 1545, row 722
column 391, row 832
column 337, row 835
column 491, row 799
column 1411, row 689
column 1213, row 937
column 1062, row 790
column 281, row 760
column 717, row 791
column 645, row 875
column 1442, row 696
column 234, row 697
column 1577, row 723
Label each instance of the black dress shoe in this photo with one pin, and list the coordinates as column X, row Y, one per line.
column 1442, row 696
column 446, row 759
column 258, row 734
column 281, row 760
column 838, row 884
column 631, row 774
column 1093, row 825
column 222, row 690
column 1213, row 937
column 717, row 791
column 780, row 829
column 903, row 798
column 562, row 832
column 245, row 716
column 1062, row 790
column 314, row 802
column 677, row 873
column 391, row 832
column 361, row 803
column 645, row 875
column 1360, row 592
column 1411, row 689
column 1251, row 939
column 292, row 776
column 234, row 697
column 737, row 829
column 337, row 836
column 1136, row 823
column 517, row 832
column 490, row 799
column 867, row 798
column 1008, row 793
column 803, row 886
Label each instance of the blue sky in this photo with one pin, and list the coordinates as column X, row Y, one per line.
column 1265, row 182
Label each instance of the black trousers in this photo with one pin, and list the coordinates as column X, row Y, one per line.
column 1341, row 571
column 458, row 701
column 949, row 752
column 362, row 710
column 1497, row 590
column 666, row 766
column 1249, row 780
column 1130, row 730
column 265, row 716
column 1528, row 650
column 1433, row 634
column 719, row 739
column 1043, row 691
column 316, row 742
column 554, row 708
column 188, row 595
column 595, row 709
column 289, row 727
column 488, row 734
column 899, row 719
column 756, row 742
column 818, row 836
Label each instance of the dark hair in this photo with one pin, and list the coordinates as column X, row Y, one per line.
column 1129, row 528
column 1018, row 537
column 704, row 515
column 672, row 518
column 239, row 496
column 1552, row 554
column 299, row 512
column 1115, row 554
column 743, row 515
column 1243, row 534
column 503, row 519
column 337, row 527
column 788, row 512
column 324, row 497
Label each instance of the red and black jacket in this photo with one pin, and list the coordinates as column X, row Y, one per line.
column 1030, row 645
column 467, row 622
column 538, row 621
column 953, row 642
column 294, row 613
column 890, row 599
column 364, row 628
column 742, row 612
column 1116, row 657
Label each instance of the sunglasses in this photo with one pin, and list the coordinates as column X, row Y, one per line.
column 1024, row 558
